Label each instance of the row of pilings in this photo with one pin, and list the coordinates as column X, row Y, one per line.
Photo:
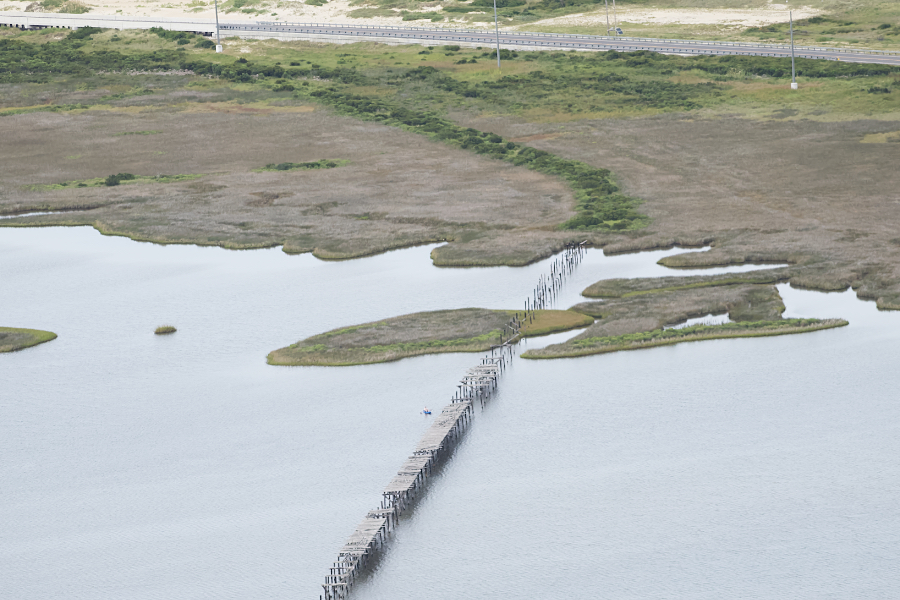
column 549, row 285
column 476, row 387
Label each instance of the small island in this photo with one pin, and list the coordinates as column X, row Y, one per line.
column 12, row 339
column 165, row 330
column 648, row 312
column 461, row 330
column 624, row 314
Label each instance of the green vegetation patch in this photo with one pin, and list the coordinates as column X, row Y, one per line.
column 663, row 337
column 72, row 7
column 116, row 179
column 12, row 339
column 462, row 330
column 305, row 166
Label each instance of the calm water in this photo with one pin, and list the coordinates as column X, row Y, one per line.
column 137, row 466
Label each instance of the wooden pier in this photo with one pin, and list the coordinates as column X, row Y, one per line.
column 476, row 386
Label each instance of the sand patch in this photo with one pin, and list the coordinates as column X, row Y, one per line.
column 774, row 13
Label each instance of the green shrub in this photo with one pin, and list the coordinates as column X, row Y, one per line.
column 83, row 33
column 289, row 166
column 117, row 179
column 500, row 3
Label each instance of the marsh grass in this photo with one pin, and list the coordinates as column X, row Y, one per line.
column 12, row 339
column 305, row 166
column 114, row 180
column 463, row 330
column 665, row 337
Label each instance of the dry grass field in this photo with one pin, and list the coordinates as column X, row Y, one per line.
column 397, row 189
column 776, row 189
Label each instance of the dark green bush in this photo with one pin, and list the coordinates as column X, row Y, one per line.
column 289, row 166
column 500, row 3
column 117, row 179
column 83, row 33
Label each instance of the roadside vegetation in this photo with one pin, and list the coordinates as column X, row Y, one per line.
column 12, row 339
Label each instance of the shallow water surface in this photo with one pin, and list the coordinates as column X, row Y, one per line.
column 168, row 467
column 757, row 468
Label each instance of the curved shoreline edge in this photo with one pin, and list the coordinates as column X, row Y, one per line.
column 13, row 339
column 710, row 332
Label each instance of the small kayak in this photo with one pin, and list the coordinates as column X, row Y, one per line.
column 426, row 412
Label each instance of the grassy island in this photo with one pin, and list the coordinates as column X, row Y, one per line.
column 12, row 339
column 647, row 312
column 583, row 346
column 462, row 330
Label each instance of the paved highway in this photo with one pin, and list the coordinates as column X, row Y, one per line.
column 553, row 41
column 441, row 36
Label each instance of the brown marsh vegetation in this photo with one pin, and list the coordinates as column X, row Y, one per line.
column 397, row 188
column 636, row 313
column 735, row 160
column 759, row 190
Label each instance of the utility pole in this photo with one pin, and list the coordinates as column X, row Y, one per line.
column 606, row 2
column 793, row 69
column 615, row 18
column 218, row 41
column 497, row 29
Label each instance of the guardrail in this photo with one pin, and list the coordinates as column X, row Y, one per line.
column 582, row 37
column 508, row 37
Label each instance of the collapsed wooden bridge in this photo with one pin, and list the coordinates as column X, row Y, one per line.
column 438, row 441
column 477, row 385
